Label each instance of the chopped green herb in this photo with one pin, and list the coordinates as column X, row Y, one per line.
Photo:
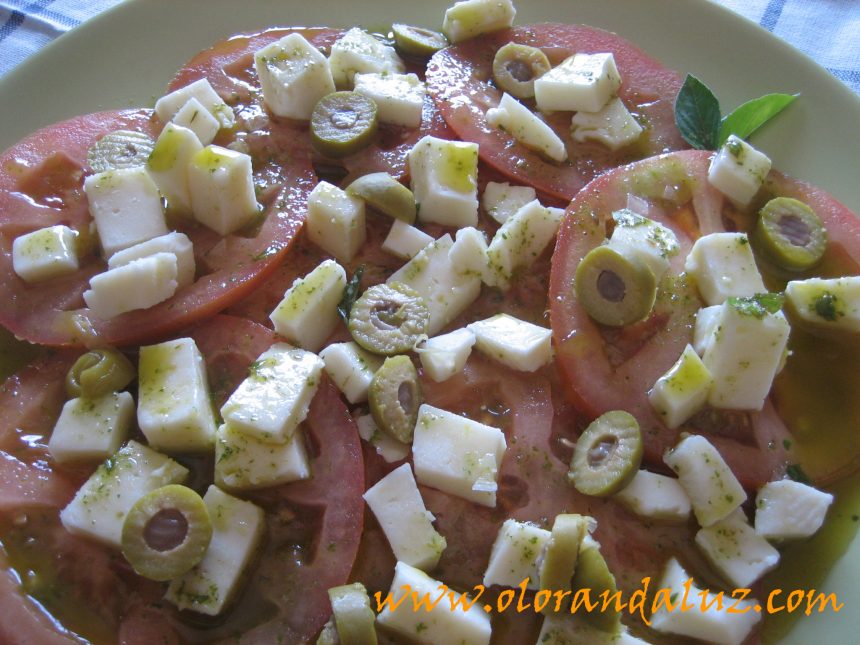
column 758, row 305
column 350, row 295
column 795, row 472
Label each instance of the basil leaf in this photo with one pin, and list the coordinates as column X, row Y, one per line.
column 697, row 114
column 749, row 117
column 350, row 294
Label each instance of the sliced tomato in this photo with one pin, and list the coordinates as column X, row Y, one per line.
column 460, row 80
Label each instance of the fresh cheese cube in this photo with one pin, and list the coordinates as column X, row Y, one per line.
column 644, row 239
column 396, row 502
column 336, row 221
column 583, row 82
column 826, row 303
column 441, row 624
column 738, row 170
column 469, row 253
column 457, row 455
column 167, row 106
column 559, row 629
column 472, row 18
column 351, row 368
column 444, row 180
column 526, row 127
column 174, row 409
column 683, row 390
column 387, row 447
column 655, row 496
column 126, row 207
column 707, row 319
column 194, row 116
column 237, row 529
column 446, row 292
column 513, row 342
column 405, row 241
column 307, row 315
column 221, row 185
column 445, row 355
column 176, row 243
column 99, row 507
column 274, row 399
column 515, row 555
column 169, row 164
column 724, row 623
column 723, row 265
column 399, row 98
column 788, row 510
column 136, row 285
column 612, row 125
column 712, row 487
column 243, row 462
column 45, row 253
column 501, row 200
column 360, row 52
column 294, row 75
column 92, row 429
column 733, row 547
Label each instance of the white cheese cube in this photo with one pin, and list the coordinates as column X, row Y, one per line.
column 683, row 390
column 738, row 170
column 99, row 507
column 828, row 303
column 396, row 502
column 583, row 82
column 399, row 98
column 126, row 206
column 526, row 127
column 307, row 315
column 387, row 447
column 712, row 487
column 457, row 455
column 360, row 52
column 515, row 555
column 644, row 239
column 194, row 116
column 92, row 429
column 176, row 243
column 136, row 285
column 733, row 547
column 441, row 624
column 445, row 355
column 787, row 510
column 45, row 253
column 704, row 619
column 243, row 462
column 501, row 200
column 167, row 106
column 444, row 180
column 335, row 221
column 405, row 241
column 513, row 342
column 274, row 399
column 237, row 528
column 174, row 409
column 469, row 253
column 707, row 319
column 446, row 292
column 471, row 18
column 655, row 496
column 221, row 185
column 559, row 629
column 351, row 368
column 723, row 265
column 169, row 162
column 294, row 75
column 613, row 125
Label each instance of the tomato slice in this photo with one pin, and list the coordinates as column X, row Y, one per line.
column 460, row 80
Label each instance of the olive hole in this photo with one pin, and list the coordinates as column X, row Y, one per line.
column 344, row 119
column 406, row 396
column 601, row 451
column 387, row 316
column 795, row 230
column 611, row 286
column 166, row 530
column 520, row 70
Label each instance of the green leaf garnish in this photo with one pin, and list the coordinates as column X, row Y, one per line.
column 350, row 295
column 697, row 114
column 795, row 472
column 749, row 117
column 758, row 305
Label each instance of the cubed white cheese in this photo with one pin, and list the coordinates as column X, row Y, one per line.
column 469, row 253
column 560, row 629
column 613, row 125
column 307, row 315
column 712, row 487
column 733, row 547
column 294, row 75
column 92, row 429
column 45, row 253
column 457, row 455
column 738, row 170
column 194, row 116
column 126, row 207
column 723, row 265
column 169, row 163
column 644, row 239
column 471, row 18
column 405, row 241
column 136, row 285
column 655, row 496
column 387, row 447
column 351, row 368
column 444, row 180
column 221, row 185
column 786, row 510
column 683, row 390
column 526, row 127
column 99, row 507
column 336, row 221
column 237, row 528
column 706, row 323
column 399, row 98
column 501, row 200
column 829, row 303
column 176, row 243
column 515, row 555
column 244, row 462
column 167, row 106
column 582, row 82
column 513, row 342
column 360, row 52
column 274, row 399
column 445, row 355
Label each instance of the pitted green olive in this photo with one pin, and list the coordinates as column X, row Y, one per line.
column 613, row 289
column 607, row 454
column 343, row 123
column 395, row 396
column 99, row 372
column 515, row 68
column 389, row 319
column 791, row 234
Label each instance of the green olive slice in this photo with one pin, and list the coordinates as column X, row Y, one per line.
column 607, row 454
column 120, row 149
column 559, row 563
column 343, row 123
column 389, row 319
column 791, row 234
column 384, row 193
column 99, row 372
column 515, row 68
column 593, row 573
column 166, row 532
column 417, row 41
column 395, row 396
column 353, row 617
column 614, row 289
